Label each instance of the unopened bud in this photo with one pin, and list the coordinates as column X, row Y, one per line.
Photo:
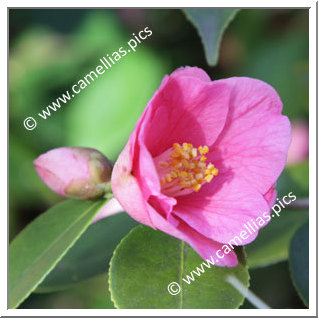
column 80, row 173
column 299, row 147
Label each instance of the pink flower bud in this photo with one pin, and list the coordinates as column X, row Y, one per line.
column 299, row 147
column 79, row 173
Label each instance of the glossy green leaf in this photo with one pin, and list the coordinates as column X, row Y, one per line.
column 272, row 244
column 147, row 261
column 89, row 294
column 211, row 24
column 91, row 254
column 299, row 262
column 36, row 250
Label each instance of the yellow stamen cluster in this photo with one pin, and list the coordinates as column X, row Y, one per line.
column 188, row 167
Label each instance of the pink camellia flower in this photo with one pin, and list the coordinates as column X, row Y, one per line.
column 79, row 173
column 203, row 159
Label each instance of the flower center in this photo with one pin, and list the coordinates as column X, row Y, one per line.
column 183, row 169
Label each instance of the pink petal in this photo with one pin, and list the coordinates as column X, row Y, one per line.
column 188, row 71
column 222, row 208
column 255, row 139
column 125, row 186
column 135, row 180
column 184, row 109
column 58, row 167
column 270, row 196
column 110, row 208
column 51, row 180
column 145, row 171
column 203, row 245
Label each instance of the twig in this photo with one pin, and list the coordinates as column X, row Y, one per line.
column 299, row 204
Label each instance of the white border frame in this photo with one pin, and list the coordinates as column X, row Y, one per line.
column 312, row 160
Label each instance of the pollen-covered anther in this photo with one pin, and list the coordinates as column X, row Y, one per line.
column 187, row 167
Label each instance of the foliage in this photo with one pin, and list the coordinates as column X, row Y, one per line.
column 147, row 261
column 211, row 23
column 299, row 262
column 38, row 248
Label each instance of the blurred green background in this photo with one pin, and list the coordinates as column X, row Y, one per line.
column 50, row 50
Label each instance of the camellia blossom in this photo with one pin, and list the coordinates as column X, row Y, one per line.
column 203, row 159
column 201, row 163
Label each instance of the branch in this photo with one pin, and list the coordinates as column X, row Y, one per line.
column 300, row 204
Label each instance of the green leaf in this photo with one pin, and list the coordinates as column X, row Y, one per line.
column 211, row 24
column 294, row 178
column 272, row 244
column 299, row 262
column 35, row 251
column 147, row 261
column 91, row 254
column 89, row 294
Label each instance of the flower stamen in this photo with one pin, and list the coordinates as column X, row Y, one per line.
column 187, row 168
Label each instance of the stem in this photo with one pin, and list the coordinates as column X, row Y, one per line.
column 251, row 297
column 105, row 187
column 300, row 204
column 108, row 187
